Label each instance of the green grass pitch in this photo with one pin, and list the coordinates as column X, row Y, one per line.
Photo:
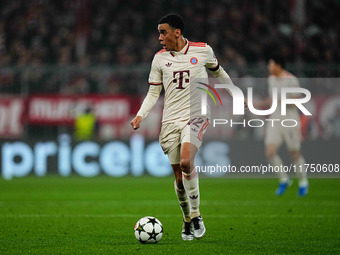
column 55, row 215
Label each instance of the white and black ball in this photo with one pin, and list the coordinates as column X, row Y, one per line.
column 148, row 230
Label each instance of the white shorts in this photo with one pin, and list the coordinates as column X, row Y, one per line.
column 290, row 135
column 174, row 134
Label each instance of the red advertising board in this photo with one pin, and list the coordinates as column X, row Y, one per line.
column 11, row 116
column 117, row 110
column 58, row 109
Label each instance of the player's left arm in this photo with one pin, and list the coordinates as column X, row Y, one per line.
column 219, row 73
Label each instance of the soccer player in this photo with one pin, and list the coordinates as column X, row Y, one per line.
column 174, row 68
column 276, row 134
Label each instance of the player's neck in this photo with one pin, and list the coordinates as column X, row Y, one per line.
column 180, row 44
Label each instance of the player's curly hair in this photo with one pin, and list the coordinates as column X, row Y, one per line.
column 174, row 20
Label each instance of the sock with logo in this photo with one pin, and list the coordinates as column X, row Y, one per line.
column 190, row 183
column 183, row 202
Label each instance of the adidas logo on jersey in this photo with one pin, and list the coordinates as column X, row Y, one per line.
column 168, row 64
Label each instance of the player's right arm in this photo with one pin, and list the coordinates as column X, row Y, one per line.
column 155, row 82
column 149, row 101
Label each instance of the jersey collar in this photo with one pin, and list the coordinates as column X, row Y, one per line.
column 183, row 51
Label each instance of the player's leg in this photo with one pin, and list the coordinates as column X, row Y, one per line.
column 174, row 158
column 191, row 185
column 187, row 232
column 273, row 141
column 190, row 177
column 170, row 140
column 293, row 143
column 275, row 161
column 301, row 173
column 191, row 140
column 292, row 137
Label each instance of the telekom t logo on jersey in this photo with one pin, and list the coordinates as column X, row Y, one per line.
column 238, row 100
column 181, row 78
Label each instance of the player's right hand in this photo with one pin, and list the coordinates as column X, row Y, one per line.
column 135, row 123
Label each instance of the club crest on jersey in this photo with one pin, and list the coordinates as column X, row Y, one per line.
column 193, row 60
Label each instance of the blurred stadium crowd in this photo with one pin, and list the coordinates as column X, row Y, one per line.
column 81, row 46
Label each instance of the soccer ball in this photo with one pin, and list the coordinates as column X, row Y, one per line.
column 148, row 230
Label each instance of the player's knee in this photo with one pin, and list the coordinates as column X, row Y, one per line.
column 295, row 155
column 185, row 165
column 270, row 154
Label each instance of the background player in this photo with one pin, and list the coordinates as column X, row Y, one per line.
column 182, row 129
column 279, row 78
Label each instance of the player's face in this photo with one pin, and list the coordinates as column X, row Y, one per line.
column 272, row 67
column 167, row 36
